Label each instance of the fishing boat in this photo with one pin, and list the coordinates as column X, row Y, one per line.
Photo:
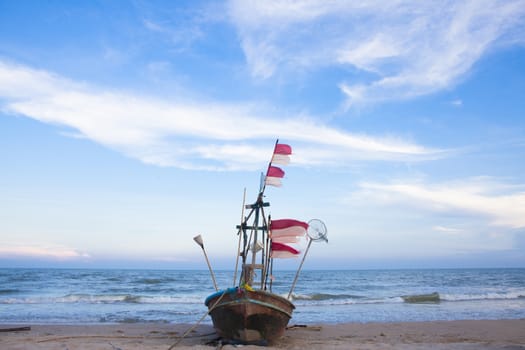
column 249, row 312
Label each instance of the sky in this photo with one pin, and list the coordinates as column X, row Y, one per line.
column 129, row 127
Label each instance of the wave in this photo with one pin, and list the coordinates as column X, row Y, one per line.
column 508, row 295
column 9, row 296
column 150, row 281
column 9, row 291
column 416, row 298
column 122, row 298
column 422, row 298
column 324, row 296
column 104, row 299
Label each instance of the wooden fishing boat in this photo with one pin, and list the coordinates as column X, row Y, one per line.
column 249, row 316
column 249, row 312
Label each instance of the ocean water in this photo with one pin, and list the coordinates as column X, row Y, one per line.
column 82, row 296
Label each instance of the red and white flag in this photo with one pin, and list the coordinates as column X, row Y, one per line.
column 283, row 251
column 274, row 176
column 287, row 228
column 281, row 154
column 287, row 239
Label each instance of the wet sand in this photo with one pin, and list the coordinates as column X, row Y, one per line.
column 472, row 334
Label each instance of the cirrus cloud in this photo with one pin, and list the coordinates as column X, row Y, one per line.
column 47, row 251
column 186, row 134
column 502, row 204
column 399, row 49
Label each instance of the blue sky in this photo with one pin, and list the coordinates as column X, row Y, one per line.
column 128, row 127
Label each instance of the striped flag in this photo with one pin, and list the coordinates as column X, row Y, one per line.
column 274, row 176
column 287, row 231
column 283, row 251
column 281, row 154
column 287, row 228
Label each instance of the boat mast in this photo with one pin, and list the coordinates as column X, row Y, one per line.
column 259, row 226
column 250, row 242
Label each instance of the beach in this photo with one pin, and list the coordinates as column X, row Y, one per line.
column 457, row 334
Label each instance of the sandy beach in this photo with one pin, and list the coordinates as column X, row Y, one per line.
column 472, row 334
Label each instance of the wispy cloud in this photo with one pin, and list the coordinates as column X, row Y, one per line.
column 405, row 48
column 55, row 252
column 183, row 26
column 502, row 204
column 449, row 230
column 187, row 134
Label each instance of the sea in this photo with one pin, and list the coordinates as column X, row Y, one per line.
column 109, row 296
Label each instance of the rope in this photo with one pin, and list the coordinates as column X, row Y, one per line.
column 198, row 322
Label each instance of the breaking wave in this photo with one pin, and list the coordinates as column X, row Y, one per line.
column 325, row 296
column 423, row 298
column 103, row 299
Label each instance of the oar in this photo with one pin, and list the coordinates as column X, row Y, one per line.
column 199, row 241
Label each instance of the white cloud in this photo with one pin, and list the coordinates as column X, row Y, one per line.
column 411, row 47
column 449, row 230
column 47, row 251
column 503, row 205
column 196, row 135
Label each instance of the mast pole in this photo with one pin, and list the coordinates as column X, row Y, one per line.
column 239, row 242
column 265, row 253
column 269, row 165
column 258, row 206
column 299, row 269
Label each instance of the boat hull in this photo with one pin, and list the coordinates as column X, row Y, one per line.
column 249, row 317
